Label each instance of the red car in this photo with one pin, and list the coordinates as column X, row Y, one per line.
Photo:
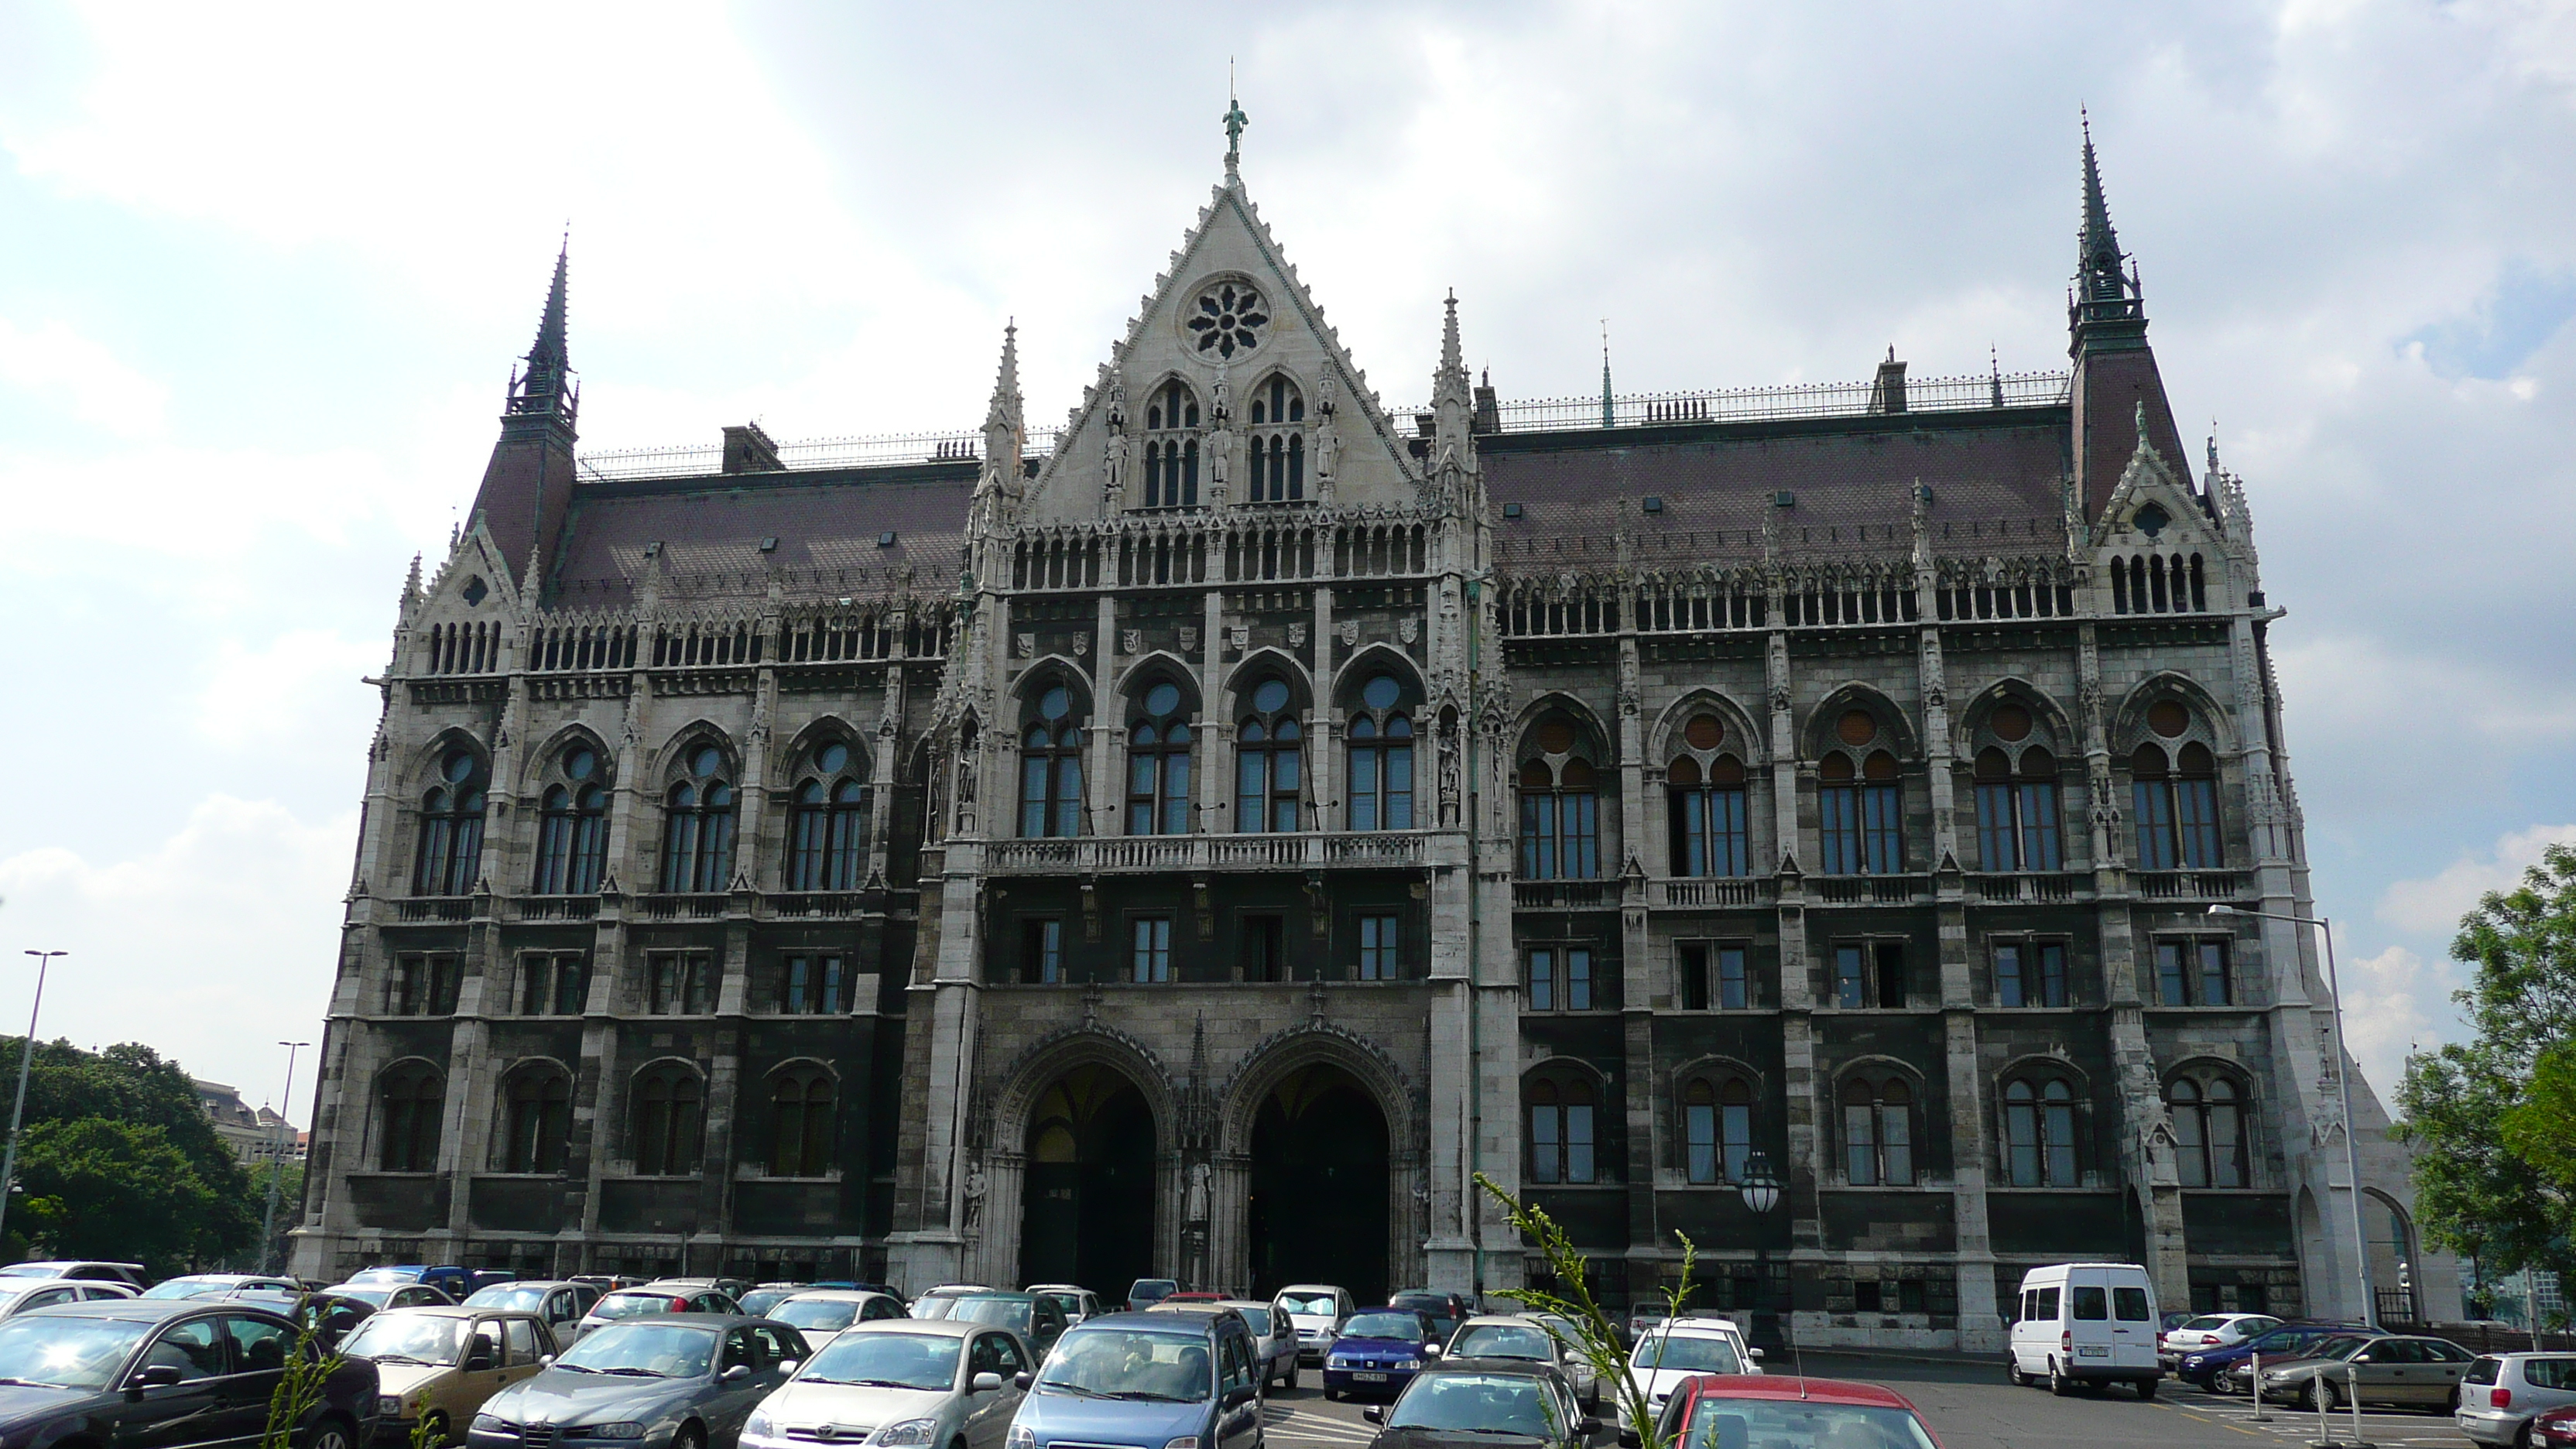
column 1736, row 1411
column 2555, row 1429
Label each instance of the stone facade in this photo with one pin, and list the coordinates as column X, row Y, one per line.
column 1203, row 839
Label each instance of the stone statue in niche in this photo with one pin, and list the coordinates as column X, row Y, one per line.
column 1449, row 772
column 1220, row 440
column 1328, row 443
column 975, row 1190
column 1194, row 1208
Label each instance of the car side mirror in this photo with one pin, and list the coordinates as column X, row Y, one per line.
column 1022, row 1381
column 1757, row 1353
column 1432, row 1349
column 790, row 1365
column 545, row 1360
column 987, row 1383
column 1587, row 1426
column 1238, row 1397
column 735, row 1374
column 1374, row 1413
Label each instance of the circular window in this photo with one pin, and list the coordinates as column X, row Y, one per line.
column 2165, row 717
column 1229, row 318
column 706, row 761
column 832, row 758
column 1703, row 732
column 2010, row 722
column 1381, row 692
column 1270, row 696
column 458, row 766
column 1055, row 703
column 1162, row 699
column 1856, row 727
column 1555, row 736
column 579, row 762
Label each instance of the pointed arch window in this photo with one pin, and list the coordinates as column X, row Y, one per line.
column 1051, row 768
column 1878, row 1132
column 2209, row 1130
column 2039, row 1132
column 698, row 826
column 1381, row 754
column 827, row 834
column 451, row 828
column 800, row 1123
column 1861, row 815
column 1278, row 449
column 669, row 1110
column 1172, row 459
column 2017, row 819
column 1158, row 764
column 412, row 1102
column 572, row 829
column 1717, row 1125
column 1268, row 778
column 539, row 1104
column 1709, row 834
column 1560, row 1144
column 2175, row 801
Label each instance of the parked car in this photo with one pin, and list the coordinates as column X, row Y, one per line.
column 2088, row 1323
column 2555, row 1429
column 1145, row 1378
column 192, row 1285
column 1144, row 1293
column 732, row 1288
column 2501, row 1393
column 1037, row 1321
column 448, row 1278
column 481, row 1278
column 1480, row 1401
column 1744, row 1349
column 608, row 1282
column 1644, row 1318
column 436, row 1366
column 939, row 1382
column 2374, row 1368
column 1732, row 1413
column 766, row 1296
column 1677, row 1348
column 1274, row 1342
column 1379, row 1352
column 166, row 1373
column 671, row 1381
column 382, row 1296
column 2210, row 1330
column 19, row 1295
column 1445, row 1310
column 1570, row 1340
column 939, row 1301
column 560, row 1303
column 821, row 1313
column 130, row 1274
column 2225, row 1370
column 330, row 1316
column 652, row 1299
column 1078, row 1303
column 1517, row 1336
column 1318, row 1310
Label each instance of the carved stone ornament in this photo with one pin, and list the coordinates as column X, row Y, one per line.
column 1296, row 636
column 1780, row 698
column 1350, row 633
column 1081, row 644
column 1131, row 641
column 1189, row 638
column 1408, row 629
column 1024, row 645
column 1241, row 634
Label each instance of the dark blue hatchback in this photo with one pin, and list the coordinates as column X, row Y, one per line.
column 2209, row 1367
column 1169, row 1379
column 1379, row 1352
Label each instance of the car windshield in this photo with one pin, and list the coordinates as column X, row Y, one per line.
column 407, row 1338
column 759, row 1301
column 383, row 1275
column 1126, row 1363
column 372, row 1297
column 188, row 1287
column 1690, row 1353
column 631, row 1305
column 1383, row 1325
column 1502, row 1340
column 828, row 1315
column 1319, row 1304
column 1259, row 1318
column 518, row 1298
column 1007, row 1312
column 1470, row 1403
column 935, row 1305
column 886, row 1361
column 647, row 1350
column 2206, row 1323
column 1717, row 1423
column 76, row 1353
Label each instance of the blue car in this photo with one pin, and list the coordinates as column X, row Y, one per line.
column 1172, row 1376
column 2208, row 1367
column 1379, row 1352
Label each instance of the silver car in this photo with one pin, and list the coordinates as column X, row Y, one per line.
column 671, row 1381
column 2501, row 1392
column 821, row 1313
column 938, row 1383
column 1526, row 1336
column 2421, row 1373
column 1274, row 1341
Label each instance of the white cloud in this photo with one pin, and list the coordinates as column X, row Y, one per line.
column 2433, row 905
column 52, row 361
column 296, row 681
column 2393, row 1002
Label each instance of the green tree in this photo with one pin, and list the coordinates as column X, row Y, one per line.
column 2491, row 1169
column 130, row 1086
column 100, row 1188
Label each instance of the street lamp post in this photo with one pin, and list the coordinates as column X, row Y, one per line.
column 2343, row 1080
column 1761, row 1189
column 26, row 1058
column 277, row 1159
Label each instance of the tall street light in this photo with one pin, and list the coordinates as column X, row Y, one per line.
column 277, row 1159
column 2343, row 1078
column 1761, row 1189
column 26, row 1058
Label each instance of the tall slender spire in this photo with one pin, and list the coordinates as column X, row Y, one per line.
column 2102, row 291
column 1451, row 380
column 997, row 488
column 1005, row 408
column 543, row 387
column 1609, row 413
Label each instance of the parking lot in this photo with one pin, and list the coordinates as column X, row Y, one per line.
column 1969, row 1406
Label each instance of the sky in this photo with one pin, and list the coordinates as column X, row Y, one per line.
column 263, row 271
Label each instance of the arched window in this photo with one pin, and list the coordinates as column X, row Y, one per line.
column 572, row 832
column 1267, row 774
column 669, row 1103
column 1708, row 815
column 2176, row 807
column 2039, row 1132
column 1560, row 1131
column 800, row 1123
column 414, row 1097
column 1878, row 1132
column 1278, row 452
column 2017, row 811
column 1861, row 814
column 1172, row 460
column 538, row 1101
column 2209, row 1130
column 1381, row 733
column 1560, row 806
column 827, row 834
column 1717, row 1125
column 1051, row 768
column 1158, row 764
column 451, row 828
column 697, row 831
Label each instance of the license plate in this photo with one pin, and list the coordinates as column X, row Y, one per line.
column 1369, row 1378
column 2093, row 1351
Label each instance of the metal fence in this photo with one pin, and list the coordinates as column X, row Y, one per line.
column 1765, row 404
column 854, row 452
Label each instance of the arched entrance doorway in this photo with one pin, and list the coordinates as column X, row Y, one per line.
column 1087, row 1209
column 1317, row 1212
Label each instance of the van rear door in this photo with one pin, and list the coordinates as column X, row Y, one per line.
column 2088, row 1321
column 2133, row 1324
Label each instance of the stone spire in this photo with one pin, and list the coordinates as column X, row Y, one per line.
column 544, row 386
column 2102, row 292
column 2119, row 395
column 527, row 487
column 1609, row 414
column 1453, row 408
column 1004, row 427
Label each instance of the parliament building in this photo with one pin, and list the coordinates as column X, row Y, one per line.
column 1202, row 838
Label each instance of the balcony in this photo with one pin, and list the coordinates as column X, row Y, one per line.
column 555, row 908
column 430, row 910
column 1564, row 894
column 2190, row 885
column 1705, row 891
column 2029, row 887
column 1197, row 854
column 681, row 908
column 1870, row 890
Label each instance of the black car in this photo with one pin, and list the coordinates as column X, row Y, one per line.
column 168, row 1373
column 1484, row 1401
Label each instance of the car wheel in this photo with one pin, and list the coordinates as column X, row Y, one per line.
column 2012, row 1371
column 330, row 1434
column 2522, row 1436
column 689, row 1437
column 434, row 1425
column 2451, row 1403
column 2146, row 1388
column 1292, row 1375
column 2058, row 1383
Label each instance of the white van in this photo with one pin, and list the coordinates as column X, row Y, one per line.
column 2086, row 1323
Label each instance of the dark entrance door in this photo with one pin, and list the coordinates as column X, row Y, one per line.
column 1087, row 1210
column 1319, row 1183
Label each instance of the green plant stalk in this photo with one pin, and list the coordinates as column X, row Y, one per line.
column 299, row 1389
column 1596, row 1338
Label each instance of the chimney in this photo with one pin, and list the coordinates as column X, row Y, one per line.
column 748, row 450
column 1887, row 394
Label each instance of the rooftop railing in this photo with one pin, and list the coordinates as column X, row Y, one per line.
column 880, row 451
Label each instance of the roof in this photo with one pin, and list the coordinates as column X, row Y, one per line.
column 1524, row 1367
column 938, row 1327
column 139, row 1310
column 1792, row 1386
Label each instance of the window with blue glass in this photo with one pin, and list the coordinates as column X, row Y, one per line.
column 2174, row 801
column 451, row 828
column 1560, row 1144
column 1381, row 736
column 1158, row 764
column 1860, row 815
column 827, row 830
column 2017, row 819
column 2030, row 973
column 1051, row 767
column 1706, row 787
column 698, row 825
column 572, row 827
column 1152, row 956
column 1378, row 941
column 1268, row 778
column 1717, row 1129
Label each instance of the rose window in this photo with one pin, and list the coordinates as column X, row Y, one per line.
column 1230, row 319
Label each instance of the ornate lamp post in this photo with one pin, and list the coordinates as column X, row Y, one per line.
column 1761, row 1188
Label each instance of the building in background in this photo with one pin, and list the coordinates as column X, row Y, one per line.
column 256, row 1136
column 1202, row 837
